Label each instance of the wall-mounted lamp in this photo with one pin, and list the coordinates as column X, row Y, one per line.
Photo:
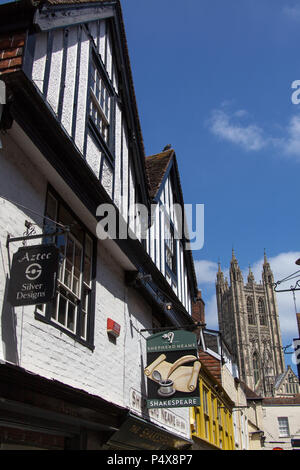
column 144, row 277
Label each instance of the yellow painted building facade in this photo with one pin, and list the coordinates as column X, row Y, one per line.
column 211, row 422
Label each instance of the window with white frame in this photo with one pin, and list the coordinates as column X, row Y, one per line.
column 100, row 102
column 283, row 425
column 71, row 308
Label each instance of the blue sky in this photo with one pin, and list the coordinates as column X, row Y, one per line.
column 213, row 79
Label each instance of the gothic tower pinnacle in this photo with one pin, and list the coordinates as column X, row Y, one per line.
column 249, row 322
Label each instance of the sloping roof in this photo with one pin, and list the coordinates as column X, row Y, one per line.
column 156, row 167
column 283, row 376
column 295, row 400
column 11, row 50
column 211, row 363
column 279, row 379
column 250, row 394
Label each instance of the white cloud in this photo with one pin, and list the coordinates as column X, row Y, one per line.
column 211, row 313
column 282, row 266
column 205, row 271
column 231, row 127
column 225, row 126
column 292, row 12
column 291, row 144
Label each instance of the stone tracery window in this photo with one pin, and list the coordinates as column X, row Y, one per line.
column 250, row 311
column 262, row 312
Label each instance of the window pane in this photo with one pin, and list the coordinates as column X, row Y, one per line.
column 77, row 269
column 99, row 102
column 71, row 316
column 68, row 274
column 87, row 261
column 71, row 300
column 62, row 309
column 283, row 427
column 83, row 325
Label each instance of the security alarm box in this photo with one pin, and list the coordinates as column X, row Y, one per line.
column 113, row 328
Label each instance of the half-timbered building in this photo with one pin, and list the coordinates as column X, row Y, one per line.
column 71, row 369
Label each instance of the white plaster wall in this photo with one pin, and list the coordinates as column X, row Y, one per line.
column 39, row 63
column 21, row 182
column 93, row 155
column 82, row 92
column 107, row 177
column 118, row 142
column 69, row 90
column 54, row 84
column 271, row 428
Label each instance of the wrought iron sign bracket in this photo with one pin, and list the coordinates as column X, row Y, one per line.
column 32, row 237
column 291, row 289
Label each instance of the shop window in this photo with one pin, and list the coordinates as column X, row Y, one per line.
column 71, row 310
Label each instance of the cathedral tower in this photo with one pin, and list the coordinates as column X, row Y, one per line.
column 249, row 323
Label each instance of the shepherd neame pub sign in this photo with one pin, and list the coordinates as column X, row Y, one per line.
column 33, row 275
column 173, row 370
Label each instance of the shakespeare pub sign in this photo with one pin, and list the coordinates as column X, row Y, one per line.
column 33, row 275
column 173, row 370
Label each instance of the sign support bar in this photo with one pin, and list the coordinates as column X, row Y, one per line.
column 167, row 328
column 32, row 237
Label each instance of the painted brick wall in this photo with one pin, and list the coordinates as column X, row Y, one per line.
column 113, row 368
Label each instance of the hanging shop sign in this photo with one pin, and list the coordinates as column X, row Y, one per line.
column 33, row 275
column 173, row 370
